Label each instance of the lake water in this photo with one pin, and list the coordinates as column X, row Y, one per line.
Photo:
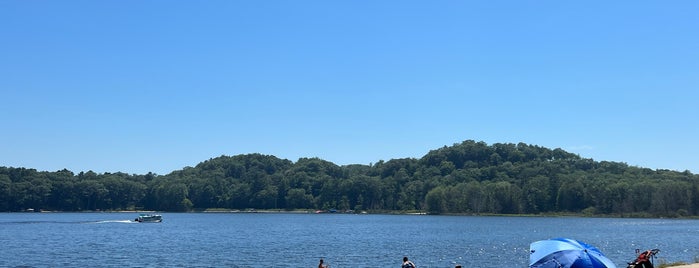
column 300, row 240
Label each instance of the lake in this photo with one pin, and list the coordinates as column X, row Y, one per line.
column 300, row 240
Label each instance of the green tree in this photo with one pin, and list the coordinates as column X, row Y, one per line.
column 435, row 201
column 298, row 198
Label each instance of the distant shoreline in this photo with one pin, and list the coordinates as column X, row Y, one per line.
column 381, row 212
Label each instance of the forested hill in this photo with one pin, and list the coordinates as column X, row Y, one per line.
column 468, row 177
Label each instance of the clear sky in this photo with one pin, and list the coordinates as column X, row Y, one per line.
column 155, row 86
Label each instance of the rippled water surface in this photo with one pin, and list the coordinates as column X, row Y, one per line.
column 299, row 240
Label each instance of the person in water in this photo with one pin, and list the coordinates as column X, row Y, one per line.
column 407, row 263
column 321, row 265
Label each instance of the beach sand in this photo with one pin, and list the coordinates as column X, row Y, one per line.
column 694, row 265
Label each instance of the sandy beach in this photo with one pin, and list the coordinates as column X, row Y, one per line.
column 695, row 265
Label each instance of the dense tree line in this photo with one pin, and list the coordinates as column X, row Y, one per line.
column 469, row 177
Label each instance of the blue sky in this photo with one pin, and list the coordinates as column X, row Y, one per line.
column 154, row 86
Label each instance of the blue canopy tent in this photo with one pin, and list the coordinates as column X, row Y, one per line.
column 566, row 253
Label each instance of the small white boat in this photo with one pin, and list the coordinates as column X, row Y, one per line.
column 149, row 218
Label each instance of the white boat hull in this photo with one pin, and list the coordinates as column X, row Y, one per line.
column 149, row 218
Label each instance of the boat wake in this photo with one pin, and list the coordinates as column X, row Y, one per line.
column 67, row 222
column 114, row 221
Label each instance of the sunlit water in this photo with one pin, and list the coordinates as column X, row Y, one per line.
column 300, row 240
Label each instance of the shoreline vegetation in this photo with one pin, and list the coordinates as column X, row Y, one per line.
column 468, row 178
column 381, row 212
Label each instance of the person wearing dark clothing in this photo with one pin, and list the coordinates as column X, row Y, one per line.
column 407, row 263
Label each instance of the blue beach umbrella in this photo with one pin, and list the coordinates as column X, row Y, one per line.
column 566, row 253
